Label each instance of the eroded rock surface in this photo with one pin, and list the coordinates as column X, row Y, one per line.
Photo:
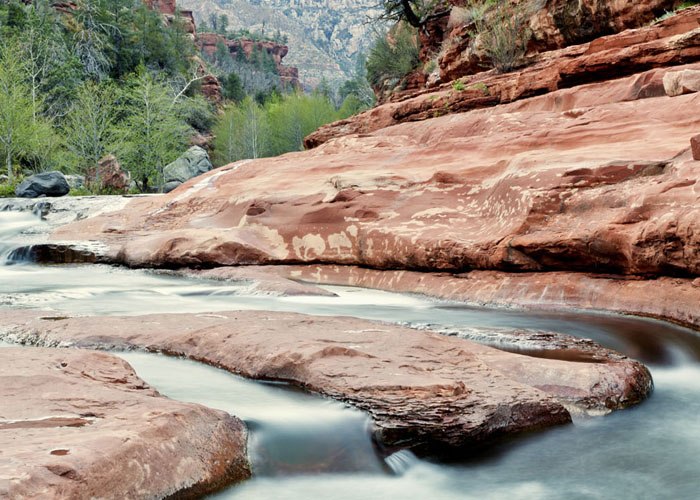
column 578, row 180
column 672, row 299
column 668, row 44
column 77, row 424
column 432, row 393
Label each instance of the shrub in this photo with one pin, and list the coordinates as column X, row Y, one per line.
column 504, row 32
column 393, row 56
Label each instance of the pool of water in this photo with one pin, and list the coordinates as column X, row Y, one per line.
column 306, row 447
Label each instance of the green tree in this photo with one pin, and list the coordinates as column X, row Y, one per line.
column 153, row 132
column 22, row 135
column 295, row 116
column 393, row 57
column 90, row 128
column 242, row 132
column 232, row 88
column 223, row 24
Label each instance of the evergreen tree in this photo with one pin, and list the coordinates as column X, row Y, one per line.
column 232, row 88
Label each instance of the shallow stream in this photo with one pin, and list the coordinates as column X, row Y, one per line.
column 306, row 447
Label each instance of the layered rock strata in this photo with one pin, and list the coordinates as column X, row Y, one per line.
column 242, row 47
column 77, row 424
column 670, row 299
column 572, row 181
column 672, row 42
column 434, row 394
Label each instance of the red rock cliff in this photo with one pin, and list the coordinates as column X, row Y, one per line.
column 289, row 75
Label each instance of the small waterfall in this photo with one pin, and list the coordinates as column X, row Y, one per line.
column 401, row 461
column 14, row 227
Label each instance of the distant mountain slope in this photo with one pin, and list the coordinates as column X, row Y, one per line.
column 325, row 36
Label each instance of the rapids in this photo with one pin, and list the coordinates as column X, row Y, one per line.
column 306, row 447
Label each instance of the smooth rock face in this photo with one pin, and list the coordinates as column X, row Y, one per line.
column 77, row 424
column 682, row 82
column 193, row 163
column 539, row 185
column 671, row 299
column 695, row 147
column 432, row 393
column 52, row 184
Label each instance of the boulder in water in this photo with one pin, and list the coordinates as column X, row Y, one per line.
column 193, row 163
column 44, row 184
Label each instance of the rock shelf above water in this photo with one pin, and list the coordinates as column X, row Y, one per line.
column 436, row 395
column 80, row 424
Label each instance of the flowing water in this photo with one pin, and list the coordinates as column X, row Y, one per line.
column 306, row 447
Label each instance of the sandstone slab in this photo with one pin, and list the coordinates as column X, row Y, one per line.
column 434, row 394
column 671, row 299
column 672, row 43
column 571, row 181
column 78, row 424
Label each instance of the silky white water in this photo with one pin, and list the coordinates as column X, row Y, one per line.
column 305, row 447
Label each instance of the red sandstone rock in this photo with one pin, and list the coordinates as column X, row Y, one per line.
column 208, row 43
column 425, row 391
column 82, row 425
column 108, row 175
column 577, row 180
column 168, row 7
column 671, row 299
column 673, row 42
column 211, row 89
column 695, row 147
column 556, row 25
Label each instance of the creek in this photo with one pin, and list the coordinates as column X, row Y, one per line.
column 306, row 447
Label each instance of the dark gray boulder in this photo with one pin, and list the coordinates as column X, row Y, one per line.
column 51, row 184
column 193, row 163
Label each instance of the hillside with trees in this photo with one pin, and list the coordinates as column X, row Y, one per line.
column 80, row 82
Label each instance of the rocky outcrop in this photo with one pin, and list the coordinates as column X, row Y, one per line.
column 673, row 42
column 78, row 424
column 170, row 10
column 326, row 37
column 541, row 185
column 193, row 163
column 431, row 393
column 551, row 25
column 682, row 82
column 108, row 176
column 167, row 7
column 243, row 47
column 52, row 184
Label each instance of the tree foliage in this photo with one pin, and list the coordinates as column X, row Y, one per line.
column 153, row 134
column 416, row 13
column 75, row 87
column 24, row 134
